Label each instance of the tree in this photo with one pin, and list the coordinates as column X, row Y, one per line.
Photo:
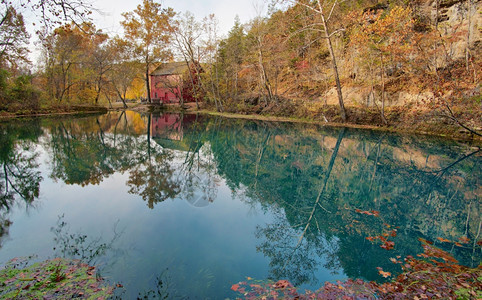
column 384, row 40
column 124, row 70
column 56, row 13
column 73, row 56
column 188, row 38
column 13, row 38
column 148, row 29
column 324, row 9
column 211, row 47
column 101, row 62
column 257, row 35
column 234, row 50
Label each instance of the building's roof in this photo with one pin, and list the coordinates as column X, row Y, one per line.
column 172, row 68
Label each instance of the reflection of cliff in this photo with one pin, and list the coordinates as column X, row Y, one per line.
column 290, row 167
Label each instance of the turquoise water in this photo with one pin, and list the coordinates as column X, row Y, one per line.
column 186, row 206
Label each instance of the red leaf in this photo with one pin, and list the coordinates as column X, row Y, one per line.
column 235, row 287
column 384, row 274
column 443, row 240
column 388, row 245
column 282, row 284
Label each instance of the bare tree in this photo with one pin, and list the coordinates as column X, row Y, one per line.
column 324, row 10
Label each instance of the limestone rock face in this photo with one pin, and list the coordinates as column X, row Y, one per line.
column 459, row 17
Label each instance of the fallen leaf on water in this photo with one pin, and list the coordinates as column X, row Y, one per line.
column 235, row 287
column 388, row 245
column 443, row 240
column 383, row 273
column 282, row 284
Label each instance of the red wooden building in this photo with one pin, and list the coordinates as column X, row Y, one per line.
column 166, row 82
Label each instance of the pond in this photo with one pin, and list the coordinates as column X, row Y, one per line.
column 184, row 206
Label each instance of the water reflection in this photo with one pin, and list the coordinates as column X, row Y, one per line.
column 19, row 177
column 319, row 177
column 77, row 245
column 313, row 180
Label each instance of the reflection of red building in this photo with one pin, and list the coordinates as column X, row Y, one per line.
column 170, row 126
column 166, row 82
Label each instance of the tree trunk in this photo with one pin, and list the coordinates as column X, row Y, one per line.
column 469, row 19
column 148, row 88
column 382, row 74
column 263, row 76
column 334, row 65
column 149, row 136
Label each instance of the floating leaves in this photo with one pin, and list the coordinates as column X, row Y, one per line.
column 56, row 278
column 368, row 213
column 435, row 276
column 383, row 273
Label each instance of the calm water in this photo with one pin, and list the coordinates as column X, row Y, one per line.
column 189, row 205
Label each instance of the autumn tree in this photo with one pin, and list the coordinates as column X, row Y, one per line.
column 322, row 23
column 257, row 36
column 189, row 36
column 73, row 62
column 148, row 29
column 13, row 37
column 101, row 60
column 383, row 39
column 124, row 70
column 211, row 47
column 232, row 52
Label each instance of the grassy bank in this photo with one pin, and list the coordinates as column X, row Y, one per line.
column 53, row 110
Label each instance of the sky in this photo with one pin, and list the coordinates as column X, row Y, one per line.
column 109, row 16
column 225, row 11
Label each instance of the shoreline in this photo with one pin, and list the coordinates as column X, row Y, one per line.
column 56, row 111
column 461, row 136
column 472, row 138
column 143, row 108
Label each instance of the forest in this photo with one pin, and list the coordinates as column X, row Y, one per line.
column 400, row 64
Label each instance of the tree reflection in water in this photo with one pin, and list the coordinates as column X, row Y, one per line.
column 80, row 246
column 316, row 178
column 312, row 178
column 20, row 178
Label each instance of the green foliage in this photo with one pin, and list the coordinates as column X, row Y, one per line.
column 17, row 93
column 56, row 278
